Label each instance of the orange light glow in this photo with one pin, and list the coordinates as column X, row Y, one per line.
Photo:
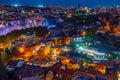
column 117, row 30
column 25, row 53
column 67, row 41
column 21, row 50
column 101, row 68
column 84, row 33
column 107, row 27
column 39, row 18
column 32, row 11
column 66, row 61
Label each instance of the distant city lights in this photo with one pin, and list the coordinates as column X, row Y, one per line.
column 40, row 6
column 15, row 5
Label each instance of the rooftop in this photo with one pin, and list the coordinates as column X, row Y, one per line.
column 28, row 70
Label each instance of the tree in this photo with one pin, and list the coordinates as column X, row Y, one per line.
column 111, row 56
column 8, row 52
column 7, row 55
column 90, row 36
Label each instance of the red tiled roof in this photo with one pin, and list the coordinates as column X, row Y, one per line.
column 56, row 66
column 73, row 61
column 67, row 71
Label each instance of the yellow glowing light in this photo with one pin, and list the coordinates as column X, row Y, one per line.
column 21, row 50
column 118, row 75
column 66, row 61
column 117, row 30
column 67, row 41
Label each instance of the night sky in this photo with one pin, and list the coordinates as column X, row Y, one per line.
column 89, row 3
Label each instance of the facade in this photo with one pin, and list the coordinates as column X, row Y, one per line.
column 107, row 66
column 25, row 40
column 31, row 38
column 19, row 43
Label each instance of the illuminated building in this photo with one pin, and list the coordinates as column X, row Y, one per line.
column 107, row 66
column 2, row 46
column 56, row 41
column 118, row 75
column 83, row 33
column 117, row 30
column 31, row 38
column 101, row 68
column 69, row 15
column 66, row 49
column 79, row 39
column 86, row 9
column 49, row 75
column 107, row 27
column 73, row 66
column 19, row 43
column 66, row 74
column 21, row 49
column 70, row 64
column 68, row 40
column 25, row 40
column 44, row 49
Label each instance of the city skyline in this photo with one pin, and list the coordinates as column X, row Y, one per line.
column 93, row 3
column 52, row 40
